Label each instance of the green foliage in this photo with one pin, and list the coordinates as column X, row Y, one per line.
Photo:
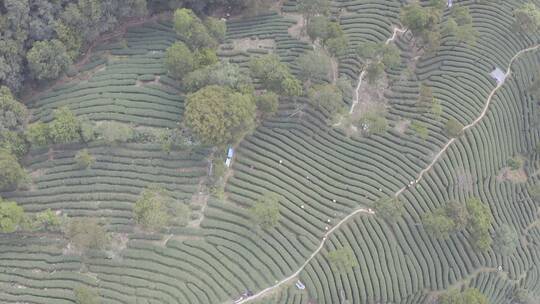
column 414, row 17
column 87, row 233
column 368, row 49
column 85, row 295
column 11, row 172
column 425, row 99
column 179, row 60
column 47, row 221
column 468, row 296
column 84, row 159
column 506, row 239
column 315, row 66
column 65, row 127
column 48, row 59
column 343, row 259
column 221, row 74
column 420, row 129
column 438, row 224
column 193, row 32
column 453, row 128
column 391, row 57
column 375, row 71
column 115, row 132
column 274, row 75
column 14, row 142
column 11, row 216
column 268, row 103
column 389, row 208
column 218, row 115
column 436, row 109
column 265, row 211
column 528, row 18
column 13, row 114
column 479, row 222
column 70, row 38
column 327, row 97
column 217, row 28
column 151, row 209
column 38, row 134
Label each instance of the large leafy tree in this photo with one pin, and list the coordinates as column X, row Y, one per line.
column 311, row 8
column 265, row 212
column 221, row 74
column 218, row 115
column 11, row 216
column 480, row 219
column 151, row 209
column 315, row 66
column 193, row 31
column 438, row 224
column 389, row 208
column 11, row 173
column 48, row 59
column 13, row 114
column 65, row 127
column 275, row 75
column 179, row 60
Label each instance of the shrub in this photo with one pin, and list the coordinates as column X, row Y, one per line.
column 506, row 239
column 453, row 128
column 514, row 163
column 275, row 75
column 375, row 71
column 179, row 60
column 47, row 220
column 84, row 160
column 315, row 66
column 438, row 224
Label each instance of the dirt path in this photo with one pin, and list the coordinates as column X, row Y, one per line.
column 396, row 31
column 421, row 174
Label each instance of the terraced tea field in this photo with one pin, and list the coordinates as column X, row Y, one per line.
column 329, row 181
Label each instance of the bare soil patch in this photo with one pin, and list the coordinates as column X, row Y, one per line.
column 256, row 43
column 516, row 176
column 402, row 126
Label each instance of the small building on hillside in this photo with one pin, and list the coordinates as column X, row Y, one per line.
column 449, row 3
column 498, row 75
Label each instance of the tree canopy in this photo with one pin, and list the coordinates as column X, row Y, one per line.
column 151, row 209
column 87, row 233
column 86, row 295
column 265, row 212
column 48, row 59
column 315, row 67
column 453, row 127
column 221, row 74
column 218, row 115
column 390, row 208
column 506, row 239
column 310, row 8
column 65, row 127
column 193, row 31
column 275, row 75
column 11, row 216
column 13, row 114
column 11, row 172
column 528, row 17
column 327, row 97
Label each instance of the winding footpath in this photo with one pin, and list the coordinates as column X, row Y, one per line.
column 264, row 292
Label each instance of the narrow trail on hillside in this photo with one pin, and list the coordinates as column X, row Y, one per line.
column 420, row 175
column 355, row 101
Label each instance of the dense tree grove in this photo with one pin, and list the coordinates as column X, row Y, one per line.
column 46, row 36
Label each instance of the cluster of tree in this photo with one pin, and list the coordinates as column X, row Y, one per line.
column 86, row 295
column 44, row 37
column 156, row 209
column 425, row 22
column 265, row 212
column 207, row 7
column 274, row 75
column 473, row 215
column 378, row 57
column 343, row 259
column 467, row 296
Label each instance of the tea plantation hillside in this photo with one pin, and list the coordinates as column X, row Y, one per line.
column 354, row 203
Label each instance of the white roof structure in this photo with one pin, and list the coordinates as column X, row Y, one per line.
column 449, row 3
column 498, row 75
